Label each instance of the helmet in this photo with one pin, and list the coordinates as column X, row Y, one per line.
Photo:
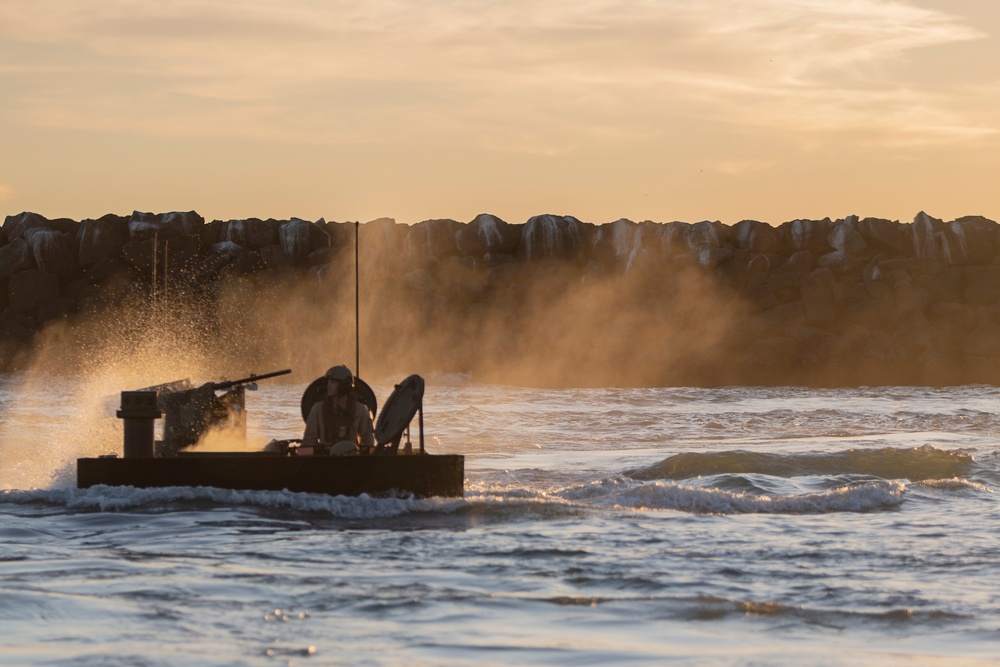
column 342, row 376
column 339, row 373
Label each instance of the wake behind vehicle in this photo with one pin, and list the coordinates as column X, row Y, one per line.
column 394, row 468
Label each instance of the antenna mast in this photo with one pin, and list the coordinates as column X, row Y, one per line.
column 155, row 244
column 357, row 318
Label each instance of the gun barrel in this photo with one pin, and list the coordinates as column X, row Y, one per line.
column 253, row 378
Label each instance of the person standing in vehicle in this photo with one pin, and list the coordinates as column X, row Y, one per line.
column 340, row 421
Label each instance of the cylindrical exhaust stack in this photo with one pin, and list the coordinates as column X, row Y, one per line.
column 138, row 411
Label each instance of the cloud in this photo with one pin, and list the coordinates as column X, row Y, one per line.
column 737, row 166
column 544, row 74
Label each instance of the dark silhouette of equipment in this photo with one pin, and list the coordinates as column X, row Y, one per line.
column 406, row 400
column 190, row 412
column 275, row 468
column 137, row 413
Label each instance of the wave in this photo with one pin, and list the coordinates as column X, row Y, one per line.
column 127, row 498
column 914, row 464
column 483, row 503
column 704, row 608
column 954, row 484
column 865, row 496
column 736, row 482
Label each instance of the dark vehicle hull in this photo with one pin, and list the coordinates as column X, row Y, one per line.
column 419, row 475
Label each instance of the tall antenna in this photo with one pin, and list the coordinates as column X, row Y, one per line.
column 166, row 273
column 357, row 310
column 155, row 243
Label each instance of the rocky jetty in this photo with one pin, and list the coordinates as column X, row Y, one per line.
column 853, row 301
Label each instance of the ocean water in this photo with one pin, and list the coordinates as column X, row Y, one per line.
column 681, row 526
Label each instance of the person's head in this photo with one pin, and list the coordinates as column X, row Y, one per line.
column 339, row 381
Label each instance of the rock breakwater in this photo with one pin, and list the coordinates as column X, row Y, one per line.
column 551, row 301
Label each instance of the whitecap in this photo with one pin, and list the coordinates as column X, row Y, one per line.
column 864, row 497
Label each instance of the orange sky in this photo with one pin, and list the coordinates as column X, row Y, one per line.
column 656, row 109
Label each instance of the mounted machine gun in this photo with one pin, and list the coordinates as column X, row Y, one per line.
column 190, row 412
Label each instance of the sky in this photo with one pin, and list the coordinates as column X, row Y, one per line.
column 602, row 109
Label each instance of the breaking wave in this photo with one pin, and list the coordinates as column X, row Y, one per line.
column 735, row 482
column 914, row 464
column 127, row 498
column 483, row 502
column 658, row 495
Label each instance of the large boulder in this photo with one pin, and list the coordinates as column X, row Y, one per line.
column 487, row 234
column 783, row 315
column 984, row 340
column 15, row 328
column 704, row 235
column 552, row 237
column 341, row 234
column 274, row 257
column 224, row 256
column 142, row 226
column 888, row 236
column 970, row 240
column 181, row 265
column 28, row 290
column 299, row 238
column 820, row 297
column 845, row 238
column 433, row 240
column 801, row 263
column 617, row 242
column 681, row 237
column 674, row 240
column 53, row 251
column 98, row 240
column 811, row 235
column 628, row 245
column 252, row 232
column 756, row 237
column 910, row 300
column 380, row 240
column 982, row 285
column 785, row 286
column 928, row 237
column 59, row 308
column 162, row 226
column 841, row 262
column 119, row 222
column 709, row 257
column 866, row 308
column 211, row 232
column 943, row 285
column 227, row 249
column 961, row 315
column 183, row 223
column 104, row 269
column 248, row 263
column 912, row 265
column 15, row 226
column 15, row 256
column 139, row 255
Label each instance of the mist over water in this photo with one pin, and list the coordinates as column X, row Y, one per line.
column 726, row 526
column 547, row 327
column 551, row 302
column 634, row 318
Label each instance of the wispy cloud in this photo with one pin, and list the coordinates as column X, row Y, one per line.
column 544, row 74
column 739, row 166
